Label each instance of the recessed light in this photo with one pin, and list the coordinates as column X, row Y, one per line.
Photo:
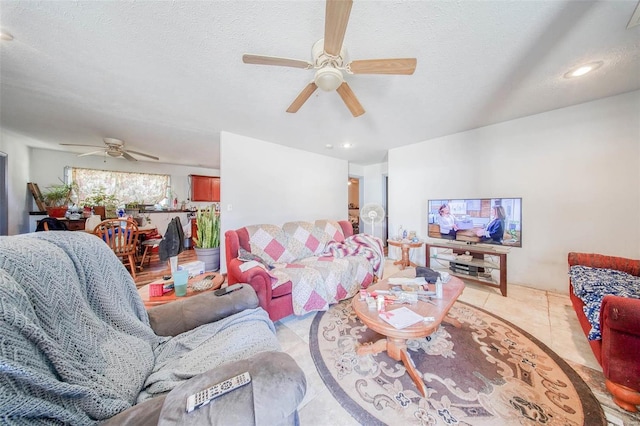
column 347, row 145
column 4, row 35
column 583, row 69
column 328, row 146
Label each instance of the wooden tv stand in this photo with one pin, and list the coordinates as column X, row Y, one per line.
column 478, row 269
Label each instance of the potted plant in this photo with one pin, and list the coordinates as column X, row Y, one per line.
column 56, row 199
column 103, row 204
column 132, row 209
column 207, row 239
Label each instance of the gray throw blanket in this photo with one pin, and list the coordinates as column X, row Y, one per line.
column 75, row 342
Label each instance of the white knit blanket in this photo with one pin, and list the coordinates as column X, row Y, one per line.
column 75, row 342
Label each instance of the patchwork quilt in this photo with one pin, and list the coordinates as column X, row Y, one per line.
column 592, row 284
column 321, row 264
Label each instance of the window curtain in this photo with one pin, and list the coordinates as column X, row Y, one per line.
column 143, row 188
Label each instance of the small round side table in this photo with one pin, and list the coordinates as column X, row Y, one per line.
column 405, row 245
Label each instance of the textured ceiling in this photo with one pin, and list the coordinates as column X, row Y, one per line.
column 167, row 77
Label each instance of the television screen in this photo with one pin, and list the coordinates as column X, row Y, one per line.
column 477, row 220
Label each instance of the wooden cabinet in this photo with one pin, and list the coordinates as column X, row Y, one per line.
column 205, row 188
column 72, row 225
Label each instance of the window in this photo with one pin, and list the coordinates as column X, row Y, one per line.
column 127, row 187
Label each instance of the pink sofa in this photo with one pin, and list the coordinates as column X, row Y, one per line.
column 618, row 352
column 300, row 245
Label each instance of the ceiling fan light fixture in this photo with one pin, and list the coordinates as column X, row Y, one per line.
column 328, row 79
column 114, row 154
column 113, row 141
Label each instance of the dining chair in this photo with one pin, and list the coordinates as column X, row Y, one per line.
column 149, row 245
column 51, row 224
column 122, row 237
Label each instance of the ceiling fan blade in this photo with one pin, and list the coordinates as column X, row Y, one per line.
column 350, row 99
column 79, row 144
column 126, row 155
column 403, row 66
column 335, row 25
column 100, row 151
column 275, row 60
column 143, row 154
column 302, row 97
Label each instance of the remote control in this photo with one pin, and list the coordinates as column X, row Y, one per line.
column 205, row 396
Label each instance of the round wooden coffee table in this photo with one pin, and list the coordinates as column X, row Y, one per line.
column 170, row 296
column 395, row 342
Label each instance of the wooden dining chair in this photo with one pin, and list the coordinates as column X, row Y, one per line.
column 149, row 245
column 51, row 224
column 122, row 237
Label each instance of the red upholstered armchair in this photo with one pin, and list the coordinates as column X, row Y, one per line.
column 277, row 302
column 619, row 350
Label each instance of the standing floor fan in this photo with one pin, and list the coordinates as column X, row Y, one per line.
column 372, row 214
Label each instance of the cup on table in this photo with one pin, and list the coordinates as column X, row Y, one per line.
column 180, row 280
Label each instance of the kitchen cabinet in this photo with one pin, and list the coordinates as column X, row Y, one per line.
column 205, row 188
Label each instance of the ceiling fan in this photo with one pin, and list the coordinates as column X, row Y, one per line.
column 113, row 148
column 329, row 61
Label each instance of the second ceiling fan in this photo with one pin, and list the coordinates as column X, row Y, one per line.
column 329, row 61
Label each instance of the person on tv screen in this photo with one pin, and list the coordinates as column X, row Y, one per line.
column 447, row 223
column 495, row 229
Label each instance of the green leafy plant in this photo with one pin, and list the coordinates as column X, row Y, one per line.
column 132, row 205
column 208, row 235
column 99, row 197
column 57, row 195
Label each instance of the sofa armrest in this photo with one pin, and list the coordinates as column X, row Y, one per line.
column 146, row 413
column 257, row 277
column 256, row 403
column 347, row 228
column 177, row 317
column 620, row 327
column 621, row 314
column 630, row 266
column 277, row 387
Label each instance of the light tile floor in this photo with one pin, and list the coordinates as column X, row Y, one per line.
column 547, row 316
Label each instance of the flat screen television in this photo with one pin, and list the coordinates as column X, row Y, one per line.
column 495, row 221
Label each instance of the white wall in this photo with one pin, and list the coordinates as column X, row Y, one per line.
column 268, row 183
column 18, row 175
column 47, row 167
column 577, row 170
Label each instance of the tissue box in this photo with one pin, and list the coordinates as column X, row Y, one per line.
column 195, row 268
column 156, row 290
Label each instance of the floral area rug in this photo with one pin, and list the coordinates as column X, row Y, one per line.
column 487, row 372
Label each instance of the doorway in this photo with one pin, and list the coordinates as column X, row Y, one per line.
column 354, row 203
column 385, row 231
column 4, row 196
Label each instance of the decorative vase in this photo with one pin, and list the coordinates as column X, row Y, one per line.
column 210, row 257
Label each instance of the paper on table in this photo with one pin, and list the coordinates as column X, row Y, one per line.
column 401, row 317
